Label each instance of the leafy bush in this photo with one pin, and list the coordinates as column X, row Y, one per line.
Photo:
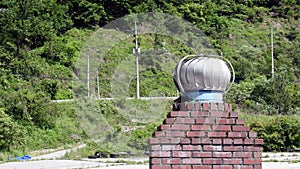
column 139, row 138
column 280, row 133
column 272, row 96
column 11, row 134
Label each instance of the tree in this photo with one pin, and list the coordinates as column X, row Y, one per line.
column 27, row 24
column 86, row 13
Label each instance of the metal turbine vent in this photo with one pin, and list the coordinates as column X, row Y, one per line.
column 198, row 75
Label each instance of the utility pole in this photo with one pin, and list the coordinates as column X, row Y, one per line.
column 136, row 52
column 272, row 51
column 98, row 86
column 88, row 75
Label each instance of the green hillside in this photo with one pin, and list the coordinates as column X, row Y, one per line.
column 41, row 42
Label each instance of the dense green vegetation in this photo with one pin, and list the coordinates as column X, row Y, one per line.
column 280, row 133
column 41, row 40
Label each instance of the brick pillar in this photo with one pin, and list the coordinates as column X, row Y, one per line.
column 204, row 136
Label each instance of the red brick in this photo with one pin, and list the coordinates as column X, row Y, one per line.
column 259, row 141
column 201, row 127
column 160, row 134
column 212, row 161
column 234, row 115
column 165, row 140
column 248, row 141
column 219, row 114
column 182, row 106
column 200, row 121
column 155, row 160
column 210, row 121
column 217, row 141
column 226, row 121
column 154, row 141
column 252, row 134
column 185, row 120
column 191, row 147
column 238, row 141
column 240, row 166
column 175, row 133
column 221, row 106
column 202, row 167
column 257, row 167
column 180, row 114
column 185, row 141
column 242, row 154
column 212, row 148
column 184, row 154
column 221, row 128
column 160, row 154
column 196, row 141
column 202, row 154
column 232, row 161
column 222, row 154
column 257, row 154
column 217, row 134
column 246, row 167
column 155, row 147
column 230, row 107
column 252, row 148
column 205, row 106
column 206, row 141
column 181, row 167
column 171, row 161
column 161, row 167
column 240, row 128
column 184, row 127
column 197, row 106
column 192, row 161
column 239, row 121
column 170, row 147
column 237, row 134
column 233, row 148
column 222, row 167
column 175, row 141
column 213, row 106
column 199, row 114
column 227, row 141
column 195, row 134
column 164, row 127
column 190, row 106
column 227, row 107
column 252, row 161
column 169, row 120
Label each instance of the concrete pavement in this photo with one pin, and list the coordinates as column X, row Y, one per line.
column 285, row 161
column 71, row 164
column 51, row 164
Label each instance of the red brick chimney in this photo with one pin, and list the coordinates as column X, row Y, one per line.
column 202, row 132
column 204, row 136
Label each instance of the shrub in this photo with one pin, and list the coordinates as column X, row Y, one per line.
column 11, row 134
column 280, row 133
column 139, row 138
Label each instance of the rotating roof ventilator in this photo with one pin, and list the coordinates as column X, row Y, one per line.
column 203, row 78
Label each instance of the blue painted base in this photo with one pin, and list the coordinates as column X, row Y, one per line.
column 203, row 96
